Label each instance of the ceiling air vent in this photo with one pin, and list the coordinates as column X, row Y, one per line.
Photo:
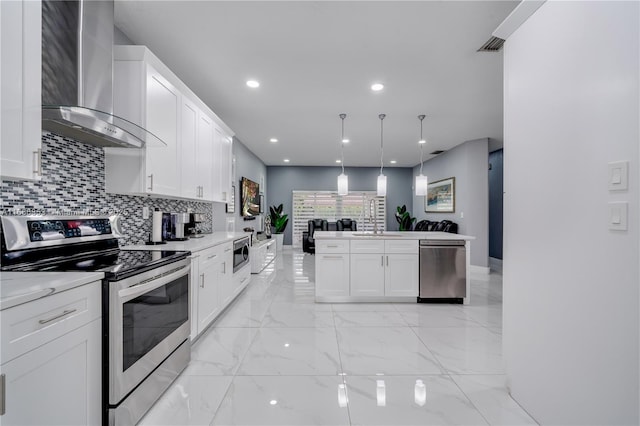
column 436, row 152
column 494, row 44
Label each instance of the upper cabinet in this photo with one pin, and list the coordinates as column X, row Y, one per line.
column 20, row 78
column 147, row 93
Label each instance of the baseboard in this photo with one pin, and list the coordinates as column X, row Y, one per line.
column 484, row 270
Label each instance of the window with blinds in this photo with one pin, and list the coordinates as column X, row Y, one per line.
column 329, row 205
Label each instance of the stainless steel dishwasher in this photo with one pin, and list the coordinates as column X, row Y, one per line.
column 443, row 271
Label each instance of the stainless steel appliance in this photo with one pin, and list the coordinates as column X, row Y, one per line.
column 443, row 271
column 173, row 226
column 145, row 299
column 77, row 74
column 190, row 227
column 240, row 253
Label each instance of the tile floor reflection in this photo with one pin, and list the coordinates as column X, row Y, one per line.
column 275, row 357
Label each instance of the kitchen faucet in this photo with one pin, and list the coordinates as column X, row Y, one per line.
column 373, row 214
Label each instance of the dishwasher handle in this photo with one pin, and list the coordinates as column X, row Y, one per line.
column 446, row 243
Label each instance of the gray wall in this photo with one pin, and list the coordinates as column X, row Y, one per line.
column 246, row 164
column 496, row 191
column 468, row 164
column 282, row 180
column 120, row 38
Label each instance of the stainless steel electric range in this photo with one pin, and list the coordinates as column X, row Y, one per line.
column 145, row 302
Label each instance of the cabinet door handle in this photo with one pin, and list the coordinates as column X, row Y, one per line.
column 332, row 257
column 381, row 260
column 227, row 250
column 224, row 267
column 3, row 391
column 63, row 314
column 150, row 182
column 37, row 160
column 212, row 256
column 387, row 260
column 202, row 280
column 332, row 246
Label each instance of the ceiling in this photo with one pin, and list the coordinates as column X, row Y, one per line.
column 317, row 59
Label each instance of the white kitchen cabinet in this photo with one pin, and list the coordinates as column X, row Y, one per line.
column 205, row 166
column 21, row 99
column 51, row 364
column 332, row 268
column 366, row 270
column 144, row 96
column 189, row 149
column 262, row 254
column 222, row 159
column 401, row 275
column 212, row 285
column 209, row 288
column 367, row 275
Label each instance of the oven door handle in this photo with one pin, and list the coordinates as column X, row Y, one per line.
column 139, row 289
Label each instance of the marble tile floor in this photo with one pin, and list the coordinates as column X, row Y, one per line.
column 275, row 357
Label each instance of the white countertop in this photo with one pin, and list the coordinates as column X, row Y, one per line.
column 390, row 235
column 21, row 287
column 193, row 244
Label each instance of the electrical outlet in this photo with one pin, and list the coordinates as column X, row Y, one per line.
column 461, row 215
column 145, row 212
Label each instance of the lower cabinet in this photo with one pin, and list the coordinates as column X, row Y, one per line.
column 370, row 270
column 59, row 380
column 214, row 285
column 262, row 254
column 332, row 274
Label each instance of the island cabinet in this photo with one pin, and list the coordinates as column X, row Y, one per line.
column 332, row 268
column 384, row 268
column 21, row 100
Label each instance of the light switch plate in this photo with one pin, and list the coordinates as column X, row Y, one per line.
column 618, row 176
column 618, row 215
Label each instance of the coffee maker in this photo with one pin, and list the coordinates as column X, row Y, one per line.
column 190, row 226
column 173, row 226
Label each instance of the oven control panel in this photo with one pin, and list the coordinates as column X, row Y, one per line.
column 47, row 230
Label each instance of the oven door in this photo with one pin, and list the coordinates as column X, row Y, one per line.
column 240, row 253
column 148, row 320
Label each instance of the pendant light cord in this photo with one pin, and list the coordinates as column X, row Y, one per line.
column 381, row 116
column 342, row 116
column 421, row 117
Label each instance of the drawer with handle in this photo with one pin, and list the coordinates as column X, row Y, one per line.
column 332, row 246
column 27, row 326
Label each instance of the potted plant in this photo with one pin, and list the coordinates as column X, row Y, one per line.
column 279, row 222
column 404, row 219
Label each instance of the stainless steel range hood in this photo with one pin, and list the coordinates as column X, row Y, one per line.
column 77, row 76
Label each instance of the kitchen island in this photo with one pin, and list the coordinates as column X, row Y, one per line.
column 367, row 267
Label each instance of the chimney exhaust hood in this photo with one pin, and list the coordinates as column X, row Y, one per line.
column 77, row 76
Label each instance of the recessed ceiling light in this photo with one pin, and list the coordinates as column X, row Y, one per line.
column 345, row 140
column 253, row 84
column 273, row 140
column 422, row 141
column 393, row 161
column 273, row 402
column 338, row 161
column 376, row 87
column 286, row 160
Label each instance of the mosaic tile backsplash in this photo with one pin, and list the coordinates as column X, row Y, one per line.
column 73, row 184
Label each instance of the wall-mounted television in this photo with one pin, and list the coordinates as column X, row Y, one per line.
column 249, row 197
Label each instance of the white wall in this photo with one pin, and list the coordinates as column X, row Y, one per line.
column 570, row 284
column 469, row 164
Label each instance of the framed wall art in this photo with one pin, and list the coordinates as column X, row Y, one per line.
column 441, row 196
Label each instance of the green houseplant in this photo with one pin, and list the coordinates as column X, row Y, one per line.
column 279, row 221
column 404, row 219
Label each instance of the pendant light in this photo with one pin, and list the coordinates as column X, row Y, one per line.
column 382, row 179
column 421, row 180
column 343, row 180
